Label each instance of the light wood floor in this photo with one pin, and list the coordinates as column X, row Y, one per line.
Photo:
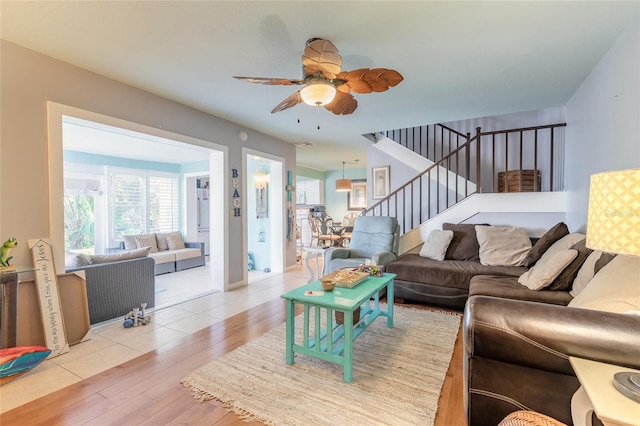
column 147, row 390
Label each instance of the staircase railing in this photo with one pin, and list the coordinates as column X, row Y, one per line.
column 520, row 155
column 430, row 141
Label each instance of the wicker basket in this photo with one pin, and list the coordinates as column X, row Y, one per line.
column 340, row 316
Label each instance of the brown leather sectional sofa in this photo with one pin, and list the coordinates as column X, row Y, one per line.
column 517, row 341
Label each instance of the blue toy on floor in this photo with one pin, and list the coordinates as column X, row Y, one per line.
column 250, row 262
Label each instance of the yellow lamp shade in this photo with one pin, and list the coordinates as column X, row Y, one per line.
column 613, row 223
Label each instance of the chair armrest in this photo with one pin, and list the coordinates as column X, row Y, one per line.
column 543, row 336
column 335, row 253
column 383, row 258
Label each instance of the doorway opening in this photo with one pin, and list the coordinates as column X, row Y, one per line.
column 264, row 239
column 96, row 159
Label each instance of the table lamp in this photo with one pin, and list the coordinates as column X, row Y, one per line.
column 613, row 226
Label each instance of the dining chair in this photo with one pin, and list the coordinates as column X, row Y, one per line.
column 327, row 234
column 315, row 230
column 347, row 228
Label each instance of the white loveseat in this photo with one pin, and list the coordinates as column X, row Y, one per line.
column 169, row 250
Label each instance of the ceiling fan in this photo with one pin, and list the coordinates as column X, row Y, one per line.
column 325, row 84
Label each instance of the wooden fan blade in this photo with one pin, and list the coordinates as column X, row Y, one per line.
column 342, row 104
column 365, row 80
column 271, row 81
column 291, row 101
column 321, row 55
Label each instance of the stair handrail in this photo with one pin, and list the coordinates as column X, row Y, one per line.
column 446, row 159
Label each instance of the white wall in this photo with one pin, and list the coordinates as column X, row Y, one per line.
column 603, row 122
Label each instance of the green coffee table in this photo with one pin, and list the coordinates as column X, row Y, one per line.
column 334, row 342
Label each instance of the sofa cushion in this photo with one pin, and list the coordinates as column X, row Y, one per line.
column 564, row 281
column 449, row 273
column 75, row 260
column 175, row 241
column 163, row 256
column 464, row 245
column 509, row 288
column 123, row 255
column 615, row 288
column 547, row 269
column 542, row 245
column 502, row 245
column 147, row 240
column 187, row 253
column 435, row 247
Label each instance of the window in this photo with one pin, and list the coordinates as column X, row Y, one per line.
column 142, row 202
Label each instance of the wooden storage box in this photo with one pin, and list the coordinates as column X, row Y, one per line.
column 510, row 181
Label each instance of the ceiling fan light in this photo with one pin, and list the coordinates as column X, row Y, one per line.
column 318, row 93
column 343, row 185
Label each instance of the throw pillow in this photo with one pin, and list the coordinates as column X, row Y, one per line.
column 586, row 273
column 148, row 240
column 603, row 261
column 546, row 269
column 175, row 241
column 436, row 244
column 123, row 255
column 615, row 288
column 464, row 245
column 542, row 245
column 129, row 242
column 564, row 281
column 502, row 245
column 75, row 260
column 161, row 240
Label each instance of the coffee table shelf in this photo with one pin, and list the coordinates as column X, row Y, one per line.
column 333, row 342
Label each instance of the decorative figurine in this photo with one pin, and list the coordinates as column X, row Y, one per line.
column 4, row 251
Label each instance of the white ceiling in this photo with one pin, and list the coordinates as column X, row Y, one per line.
column 459, row 59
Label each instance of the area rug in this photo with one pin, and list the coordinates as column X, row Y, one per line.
column 397, row 376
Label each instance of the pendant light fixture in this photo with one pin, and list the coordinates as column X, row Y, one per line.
column 344, row 185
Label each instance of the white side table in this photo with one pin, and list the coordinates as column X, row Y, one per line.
column 611, row 407
column 315, row 252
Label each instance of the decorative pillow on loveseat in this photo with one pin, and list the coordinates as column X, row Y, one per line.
column 75, row 260
column 436, row 244
column 502, row 245
column 175, row 241
column 147, row 240
column 122, row 255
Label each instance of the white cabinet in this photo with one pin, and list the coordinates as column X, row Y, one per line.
column 310, row 192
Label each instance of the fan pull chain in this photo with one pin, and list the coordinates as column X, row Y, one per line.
column 318, row 116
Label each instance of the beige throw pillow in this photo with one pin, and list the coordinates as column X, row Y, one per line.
column 585, row 274
column 148, row 240
column 547, row 269
column 175, row 241
column 123, row 255
column 615, row 288
column 502, row 245
column 435, row 247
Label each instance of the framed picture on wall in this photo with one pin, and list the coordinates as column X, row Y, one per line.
column 357, row 197
column 380, row 179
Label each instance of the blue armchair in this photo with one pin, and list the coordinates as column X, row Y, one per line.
column 373, row 237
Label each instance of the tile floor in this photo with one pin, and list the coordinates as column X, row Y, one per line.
column 111, row 344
